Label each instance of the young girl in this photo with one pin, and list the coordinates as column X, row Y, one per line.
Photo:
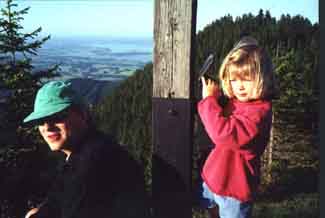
column 240, row 131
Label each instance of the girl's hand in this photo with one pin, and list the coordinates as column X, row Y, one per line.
column 209, row 88
column 31, row 212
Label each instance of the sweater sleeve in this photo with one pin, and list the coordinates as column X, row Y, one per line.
column 234, row 131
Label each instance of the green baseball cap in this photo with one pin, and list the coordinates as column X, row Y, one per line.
column 51, row 98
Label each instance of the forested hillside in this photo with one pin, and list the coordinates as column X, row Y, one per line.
column 293, row 43
column 126, row 115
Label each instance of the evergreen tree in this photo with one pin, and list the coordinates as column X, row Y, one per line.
column 16, row 69
column 20, row 156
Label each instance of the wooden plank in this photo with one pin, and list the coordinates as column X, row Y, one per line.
column 172, row 158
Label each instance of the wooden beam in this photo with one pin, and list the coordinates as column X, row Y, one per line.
column 172, row 107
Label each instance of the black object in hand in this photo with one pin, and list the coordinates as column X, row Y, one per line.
column 205, row 68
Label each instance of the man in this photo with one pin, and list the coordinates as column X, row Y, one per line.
column 98, row 179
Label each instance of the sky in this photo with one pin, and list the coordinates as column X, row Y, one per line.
column 134, row 18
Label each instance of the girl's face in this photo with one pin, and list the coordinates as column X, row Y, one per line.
column 242, row 88
column 241, row 84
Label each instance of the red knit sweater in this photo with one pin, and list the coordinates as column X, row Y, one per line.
column 240, row 133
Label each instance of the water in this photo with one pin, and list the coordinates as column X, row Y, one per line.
column 96, row 58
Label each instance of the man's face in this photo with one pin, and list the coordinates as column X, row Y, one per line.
column 61, row 129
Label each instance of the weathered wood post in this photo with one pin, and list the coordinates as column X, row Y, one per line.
column 172, row 107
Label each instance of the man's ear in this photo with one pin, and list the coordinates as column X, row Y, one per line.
column 84, row 118
column 80, row 117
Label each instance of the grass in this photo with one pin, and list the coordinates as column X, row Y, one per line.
column 296, row 206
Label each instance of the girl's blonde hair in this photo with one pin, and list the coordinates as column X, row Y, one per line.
column 249, row 62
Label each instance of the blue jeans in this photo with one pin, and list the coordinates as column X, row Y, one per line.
column 228, row 207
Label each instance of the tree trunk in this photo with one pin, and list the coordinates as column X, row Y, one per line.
column 269, row 157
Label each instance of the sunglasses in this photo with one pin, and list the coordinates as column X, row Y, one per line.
column 55, row 118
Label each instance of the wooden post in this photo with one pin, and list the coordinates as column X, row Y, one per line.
column 172, row 107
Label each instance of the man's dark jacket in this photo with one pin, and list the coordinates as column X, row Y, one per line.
column 100, row 180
